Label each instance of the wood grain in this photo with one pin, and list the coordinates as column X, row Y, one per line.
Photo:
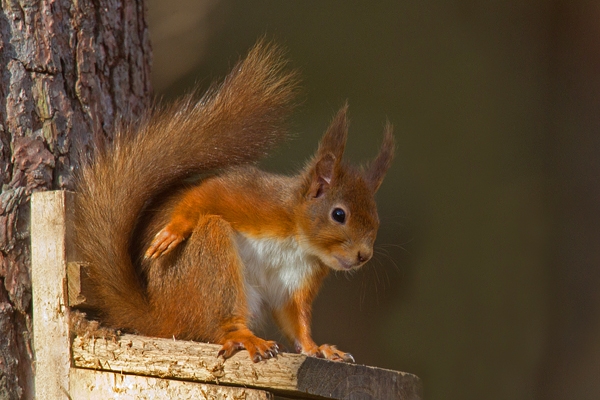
column 49, row 278
column 288, row 374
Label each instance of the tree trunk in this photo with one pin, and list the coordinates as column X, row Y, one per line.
column 68, row 71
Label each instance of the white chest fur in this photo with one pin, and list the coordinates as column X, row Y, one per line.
column 274, row 269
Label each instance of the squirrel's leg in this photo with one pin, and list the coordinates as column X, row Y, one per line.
column 181, row 223
column 294, row 319
column 178, row 229
column 198, row 292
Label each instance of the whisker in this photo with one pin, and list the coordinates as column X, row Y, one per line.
column 384, row 253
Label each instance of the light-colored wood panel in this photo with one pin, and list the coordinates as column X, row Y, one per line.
column 49, row 279
column 88, row 384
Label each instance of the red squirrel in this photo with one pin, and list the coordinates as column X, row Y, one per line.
column 207, row 261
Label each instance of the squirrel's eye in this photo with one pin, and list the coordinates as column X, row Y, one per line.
column 338, row 215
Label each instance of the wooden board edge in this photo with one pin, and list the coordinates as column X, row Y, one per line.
column 288, row 374
column 51, row 341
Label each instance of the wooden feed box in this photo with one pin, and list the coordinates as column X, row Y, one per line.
column 138, row 367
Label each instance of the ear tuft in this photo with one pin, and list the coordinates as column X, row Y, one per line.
column 324, row 166
column 376, row 170
column 334, row 140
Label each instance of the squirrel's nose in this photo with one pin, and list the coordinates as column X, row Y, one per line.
column 364, row 256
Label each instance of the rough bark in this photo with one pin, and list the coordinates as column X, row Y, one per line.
column 69, row 70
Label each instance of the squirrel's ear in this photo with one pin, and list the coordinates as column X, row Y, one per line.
column 329, row 154
column 322, row 175
column 334, row 140
column 376, row 170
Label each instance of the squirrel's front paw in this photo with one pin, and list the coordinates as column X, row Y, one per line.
column 163, row 242
column 329, row 352
column 258, row 349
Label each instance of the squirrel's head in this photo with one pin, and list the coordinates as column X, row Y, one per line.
column 338, row 216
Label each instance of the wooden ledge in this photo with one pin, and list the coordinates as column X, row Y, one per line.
column 288, row 374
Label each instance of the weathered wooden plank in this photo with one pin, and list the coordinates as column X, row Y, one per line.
column 49, row 248
column 288, row 374
column 101, row 385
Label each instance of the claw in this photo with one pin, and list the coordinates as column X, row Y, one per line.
column 349, row 358
column 329, row 352
column 258, row 349
column 229, row 349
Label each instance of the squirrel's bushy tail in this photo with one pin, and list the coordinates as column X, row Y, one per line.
column 235, row 122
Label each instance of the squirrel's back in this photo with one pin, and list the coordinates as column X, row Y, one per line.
column 235, row 122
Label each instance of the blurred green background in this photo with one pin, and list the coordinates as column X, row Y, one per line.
column 486, row 282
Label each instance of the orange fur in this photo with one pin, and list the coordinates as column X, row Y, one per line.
column 202, row 263
column 246, row 210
